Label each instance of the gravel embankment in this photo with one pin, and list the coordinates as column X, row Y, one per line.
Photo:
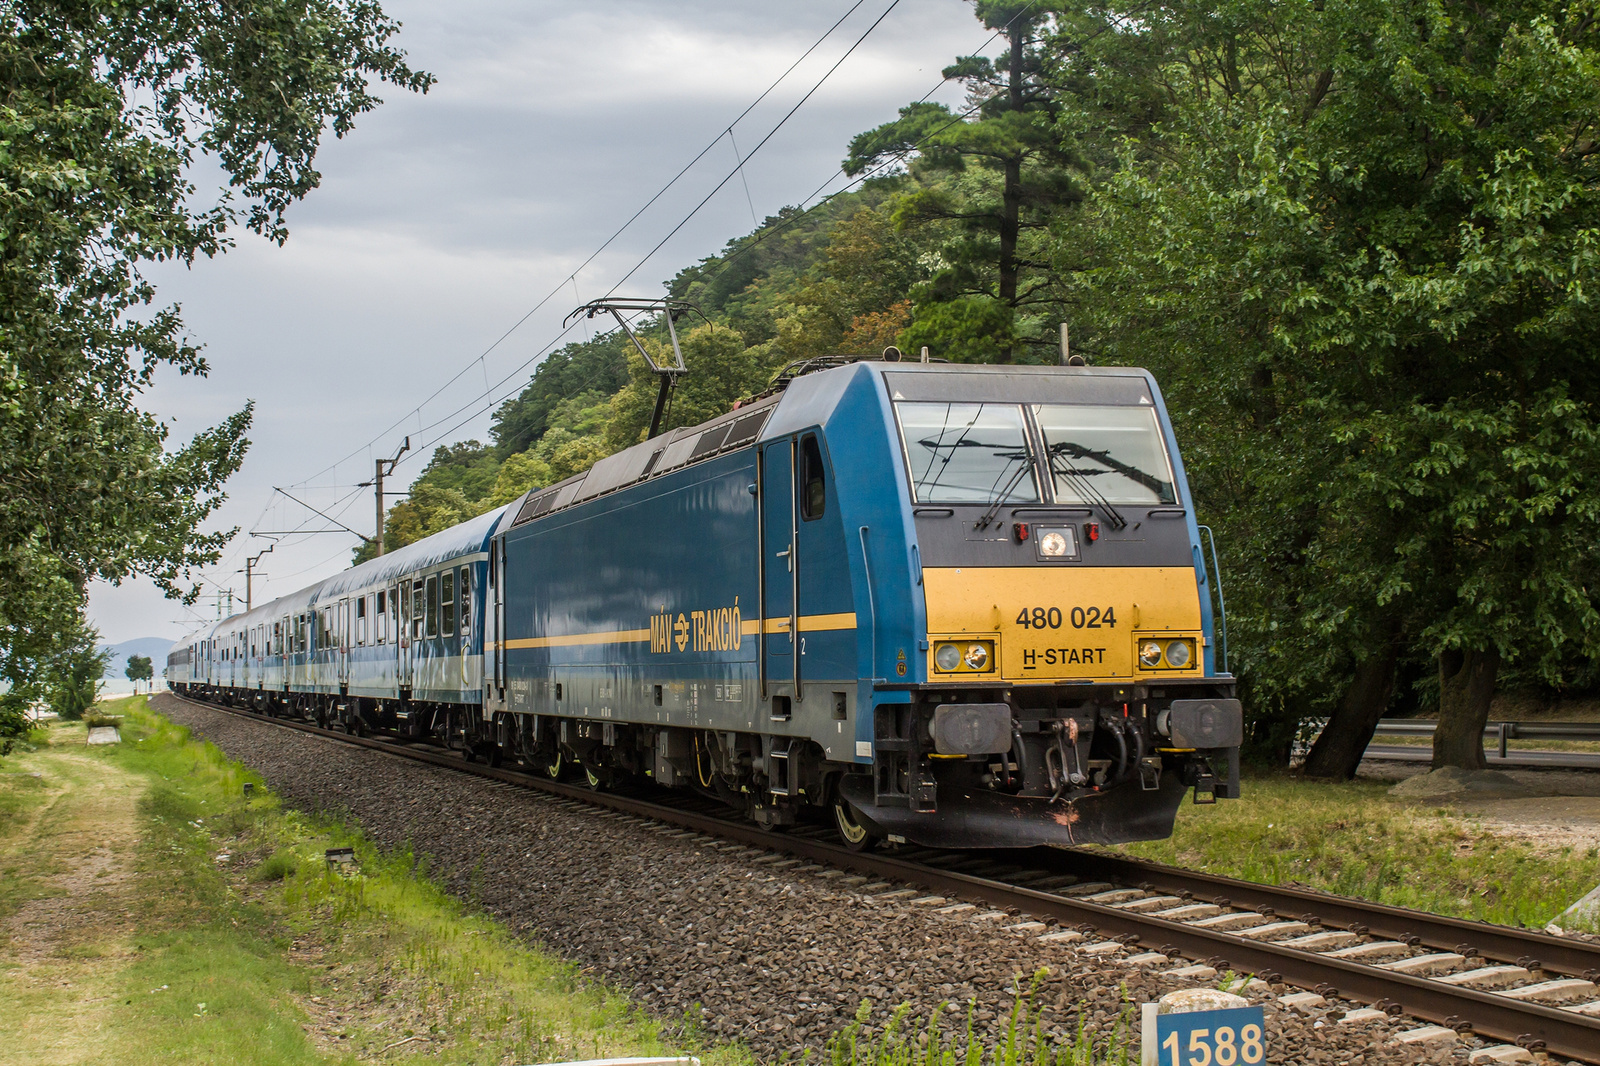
column 779, row 959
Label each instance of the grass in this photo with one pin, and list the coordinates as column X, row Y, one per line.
column 231, row 940
column 914, row 1042
column 1352, row 840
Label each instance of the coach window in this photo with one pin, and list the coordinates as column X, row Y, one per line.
column 381, row 619
column 814, row 486
column 447, row 597
column 361, row 621
column 465, row 587
column 433, row 605
column 417, row 610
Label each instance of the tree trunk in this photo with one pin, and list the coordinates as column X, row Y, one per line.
column 1011, row 194
column 1466, row 685
column 1337, row 751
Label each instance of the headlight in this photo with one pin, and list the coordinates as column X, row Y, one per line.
column 1150, row 655
column 1178, row 654
column 1059, row 543
column 963, row 657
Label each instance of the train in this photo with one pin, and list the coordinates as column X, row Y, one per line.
column 946, row 605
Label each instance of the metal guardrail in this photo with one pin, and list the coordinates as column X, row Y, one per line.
column 1501, row 732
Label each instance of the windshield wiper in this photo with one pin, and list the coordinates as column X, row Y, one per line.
column 1162, row 489
column 1085, row 490
column 1004, row 494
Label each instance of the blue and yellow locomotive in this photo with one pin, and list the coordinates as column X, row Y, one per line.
column 961, row 606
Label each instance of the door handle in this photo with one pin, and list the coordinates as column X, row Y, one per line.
column 788, row 556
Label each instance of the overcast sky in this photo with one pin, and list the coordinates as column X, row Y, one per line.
column 444, row 219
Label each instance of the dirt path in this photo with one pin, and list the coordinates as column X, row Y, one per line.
column 65, row 923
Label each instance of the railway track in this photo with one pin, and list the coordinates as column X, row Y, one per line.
column 1533, row 991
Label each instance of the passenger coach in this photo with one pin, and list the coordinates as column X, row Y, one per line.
column 394, row 643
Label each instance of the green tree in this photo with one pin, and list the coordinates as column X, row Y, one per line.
column 105, row 109
column 991, row 185
column 597, row 365
column 1358, row 242
column 139, row 669
column 14, row 723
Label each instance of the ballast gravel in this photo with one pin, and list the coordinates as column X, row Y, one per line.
column 776, row 958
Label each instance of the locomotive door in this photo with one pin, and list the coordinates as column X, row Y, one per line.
column 495, row 637
column 780, row 566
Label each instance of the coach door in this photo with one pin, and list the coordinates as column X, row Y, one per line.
column 342, row 638
column 780, row 570
column 408, row 629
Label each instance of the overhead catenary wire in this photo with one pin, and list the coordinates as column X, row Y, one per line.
column 861, row 179
column 686, row 219
column 572, row 277
column 478, row 408
column 737, row 170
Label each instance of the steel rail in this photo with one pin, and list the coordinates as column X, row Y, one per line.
column 1558, row 1031
column 1531, row 948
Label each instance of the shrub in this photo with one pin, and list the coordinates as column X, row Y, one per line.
column 278, row 866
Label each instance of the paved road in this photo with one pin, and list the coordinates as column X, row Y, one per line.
column 1569, row 760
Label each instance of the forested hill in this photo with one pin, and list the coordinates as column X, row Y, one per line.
column 1358, row 244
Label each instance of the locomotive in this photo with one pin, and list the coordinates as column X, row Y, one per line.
column 949, row 605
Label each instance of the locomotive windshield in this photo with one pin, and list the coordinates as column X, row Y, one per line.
column 968, row 452
column 986, row 452
column 1110, row 454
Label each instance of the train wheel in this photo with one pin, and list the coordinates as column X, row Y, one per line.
column 594, row 778
column 554, row 765
column 855, row 835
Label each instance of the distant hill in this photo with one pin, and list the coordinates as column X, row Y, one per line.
column 155, row 647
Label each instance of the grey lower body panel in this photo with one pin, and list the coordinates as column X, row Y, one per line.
column 984, row 819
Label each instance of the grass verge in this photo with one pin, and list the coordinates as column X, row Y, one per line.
column 238, row 943
column 1349, row 838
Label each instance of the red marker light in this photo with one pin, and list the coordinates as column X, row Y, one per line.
column 1091, row 530
column 1020, row 531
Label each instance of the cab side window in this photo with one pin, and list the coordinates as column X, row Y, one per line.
column 813, row 480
